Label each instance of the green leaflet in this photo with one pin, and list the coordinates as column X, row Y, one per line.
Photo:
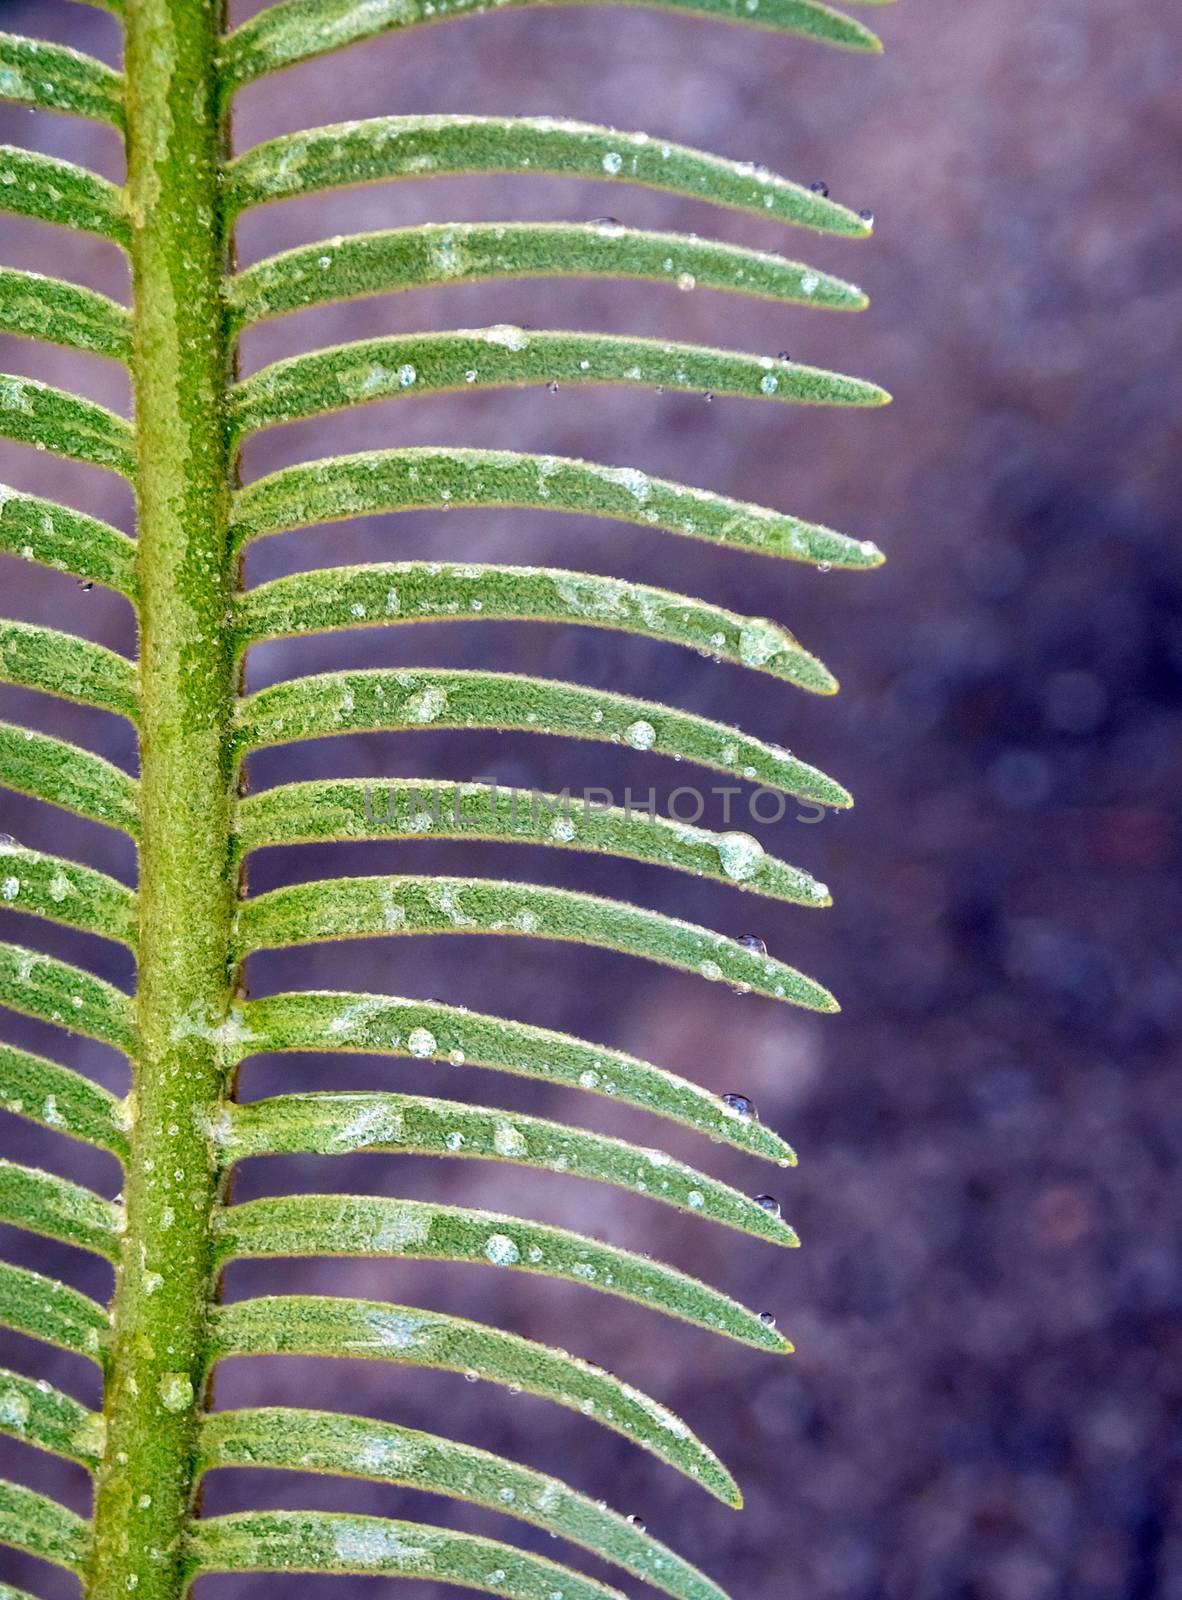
column 299, row 30
column 326, row 1441
column 340, row 1124
column 7, row 1592
column 377, row 699
column 508, row 357
column 67, row 892
column 379, row 1024
column 376, row 1331
column 434, row 254
column 33, row 185
column 417, row 591
column 36, row 307
column 65, row 424
column 358, row 908
column 328, row 1541
column 41, row 530
column 387, row 148
column 41, row 1202
column 415, row 1230
column 42, row 1308
column 57, row 1097
column 66, row 775
column 38, row 1414
column 403, row 480
column 40, row 1526
column 57, row 663
column 409, row 808
column 37, row 73
column 41, row 986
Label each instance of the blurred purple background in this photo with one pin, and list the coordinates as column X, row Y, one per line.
column 988, row 1307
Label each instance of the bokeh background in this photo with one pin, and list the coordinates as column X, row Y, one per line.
column 988, row 1307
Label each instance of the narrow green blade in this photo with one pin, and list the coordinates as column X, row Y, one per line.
column 426, row 808
column 54, row 991
column 409, row 364
column 57, row 1097
column 41, row 1202
column 481, row 252
column 66, row 775
column 38, row 1414
column 67, row 540
column 340, row 1124
column 58, row 663
column 41, row 1308
column 340, row 487
column 384, row 1025
column 397, row 592
column 415, row 1230
column 358, row 1447
column 36, row 307
column 35, row 72
column 67, row 892
column 387, row 148
column 370, row 701
column 62, row 423
column 360, row 908
column 42, row 1527
column 35, row 185
column 315, row 1325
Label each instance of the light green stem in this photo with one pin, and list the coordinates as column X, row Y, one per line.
column 180, row 366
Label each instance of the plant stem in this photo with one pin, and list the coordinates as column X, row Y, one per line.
column 180, row 367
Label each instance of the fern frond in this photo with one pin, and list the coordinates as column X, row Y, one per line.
column 66, row 775
column 41, row 1308
column 51, row 77
column 299, row 30
column 55, row 991
column 409, row 808
column 414, row 591
column 57, row 1097
column 377, row 1024
column 315, row 1325
column 38, row 1414
column 55, row 1208
column 36, row 307
column 41, row 1527
column 358, row 1447
column 51, row 190
column 341, row 1124
column 357, row 908
column 340, row 487
column 383, row 149
column 503, row 357
column 36, row 657
column 378, row 698
column 369, row 264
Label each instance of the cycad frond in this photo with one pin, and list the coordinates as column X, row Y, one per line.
column 189, row 923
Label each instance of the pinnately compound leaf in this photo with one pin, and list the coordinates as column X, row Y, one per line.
column 504, row 356
column 341, row 1124
column 387, row 148
column 376, row 1024
column 299, row 30
column 435, row 254
column 315, row 1325
column 340, row 487
column 409, row 808
column 394, row 593
column 369, row 701
column 325, row 1441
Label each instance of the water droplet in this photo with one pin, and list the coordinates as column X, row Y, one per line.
column 640, row 735
column 501, row 1250
column 613, row 162
column 86, row 585
column 824, row 566
column 820, row 187
column 552, row 386
column 739, row 1104
column 767, row 1319
column 708, row 398
column 783, row 355
column 769, row 1203
column 739, row 855
column 606, row 222
column 686, row 281
column 406, row 375
column 752, row 941
column 867, row 217
column 471, row 1377
column 421, row 1042
column 638, row 1524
